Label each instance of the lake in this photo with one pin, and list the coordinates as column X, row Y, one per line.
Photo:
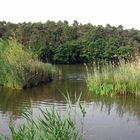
column 107, row 118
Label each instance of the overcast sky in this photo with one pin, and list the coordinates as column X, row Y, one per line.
column 114, row 12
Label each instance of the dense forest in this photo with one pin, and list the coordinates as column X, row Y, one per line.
column 60, row 42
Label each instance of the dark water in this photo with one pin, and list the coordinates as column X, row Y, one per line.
column 116, row 118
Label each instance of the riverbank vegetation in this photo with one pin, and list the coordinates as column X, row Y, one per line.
column 19, row 68
column 60, row 42
column 116, row 80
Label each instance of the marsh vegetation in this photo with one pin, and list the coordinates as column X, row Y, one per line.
column 123, row 79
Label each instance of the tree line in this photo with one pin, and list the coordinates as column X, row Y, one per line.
column 60, row 42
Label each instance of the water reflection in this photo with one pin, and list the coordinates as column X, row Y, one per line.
column 106, row 118
column 15, row 101
column 121, row 105
column 12, row 102
column 113, row 118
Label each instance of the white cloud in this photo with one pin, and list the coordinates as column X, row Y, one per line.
column 114, row 12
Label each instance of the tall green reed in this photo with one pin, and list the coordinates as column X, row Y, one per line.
column 51, row 125
column 113, row 80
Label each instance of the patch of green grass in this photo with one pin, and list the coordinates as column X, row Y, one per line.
column 19, row 68
column 110, row 80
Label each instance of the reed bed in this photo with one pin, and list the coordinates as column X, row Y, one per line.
column 116, row 80
column 19, row 68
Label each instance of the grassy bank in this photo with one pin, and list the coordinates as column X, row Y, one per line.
column 110, row 80
column 20, row 69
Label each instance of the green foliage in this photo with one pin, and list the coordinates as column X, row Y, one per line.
column 68, row 53
column 70, row 33
column 54, row 42
column 111, row 80
column 19, row 68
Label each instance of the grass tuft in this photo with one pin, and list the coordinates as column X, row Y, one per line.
column 51, row 125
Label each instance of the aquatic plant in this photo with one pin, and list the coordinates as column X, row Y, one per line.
column 113, row 80
column 51, row 125
column 19, row 68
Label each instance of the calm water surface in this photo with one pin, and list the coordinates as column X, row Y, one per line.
column 116, row 118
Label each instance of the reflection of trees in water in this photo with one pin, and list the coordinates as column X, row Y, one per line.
column 12, row 103
column 121, row 105
column 15, row 102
